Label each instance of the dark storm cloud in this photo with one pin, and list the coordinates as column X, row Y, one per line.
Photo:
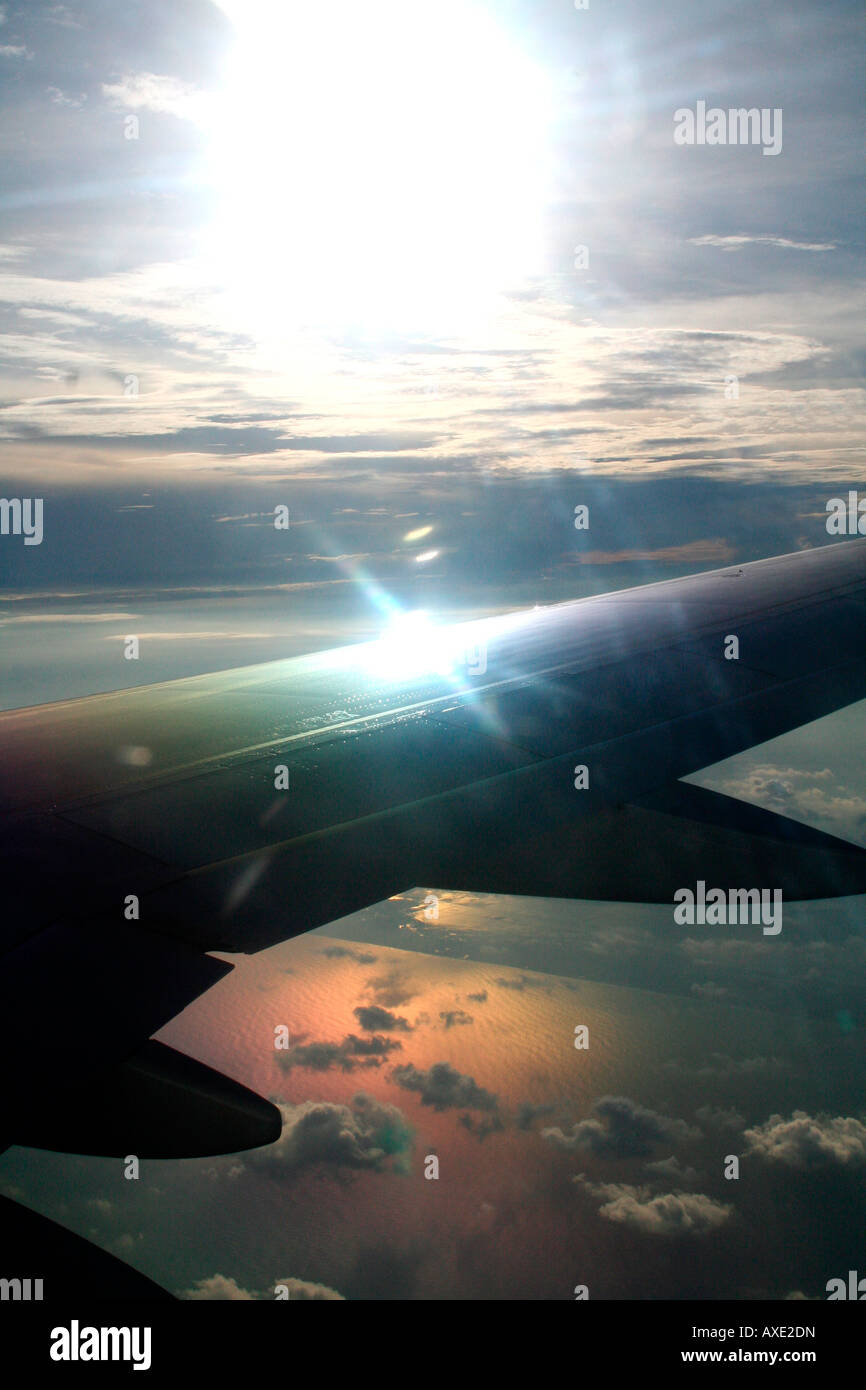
column 444, row 1088
column 350, row 1053
column 374, row 1017
column 623, row 1129
column 364, row 1134
column 810, row 1142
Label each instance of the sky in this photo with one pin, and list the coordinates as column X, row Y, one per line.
column 267, row 299
column 431, row 278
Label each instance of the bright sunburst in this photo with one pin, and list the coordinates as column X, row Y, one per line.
column 379, row 166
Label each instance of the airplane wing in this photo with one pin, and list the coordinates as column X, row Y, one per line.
column 144, row 828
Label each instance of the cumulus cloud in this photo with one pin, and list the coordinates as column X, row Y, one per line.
column 808, row 1142
column 666, row 1214
column 344, row 952
column 623, row 1129
column 672, row 1170
column 816, row 796
column 490, row 1124
column 527, row 1112
column 717, row 1117
column 219, row 1289
column 349, row 1053
column 376, row 1019
column 307, row 1292
column 391, row 988
column 364, row 1134
column 453, row 1017
column 445, row 1088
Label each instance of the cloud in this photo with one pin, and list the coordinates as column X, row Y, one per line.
column 624, row 1129
column 303, row 1290
column 452, row 1017
column 26, row 619
column 719, row 1118
column 391, row 988
column 672, row 1169
column 736, row 243
column 444, row 1088
column 527, row 1112
column 703, row 551
column 347, row 1054
column 816, row 796
column 343, row 952
column 809, row 1143
column 218, row 1289
column 490, row 1124
column 479, row 998
column 205, row 635
column 720, row 1064
column 364, row 1134
column 150, row 91
column 373, row 1017
column 667, row 1214
column 709, row 990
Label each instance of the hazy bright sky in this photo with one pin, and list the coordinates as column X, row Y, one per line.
column 336, row 266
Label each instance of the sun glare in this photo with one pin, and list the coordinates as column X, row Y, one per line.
column 377, row 166
column 413, row 645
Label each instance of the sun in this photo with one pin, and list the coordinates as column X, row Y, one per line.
column 378, row 166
